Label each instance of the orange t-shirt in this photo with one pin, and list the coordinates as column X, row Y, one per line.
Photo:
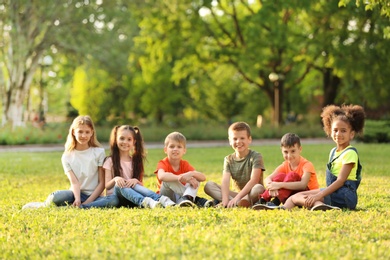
column 303, row 166
column 167, row 167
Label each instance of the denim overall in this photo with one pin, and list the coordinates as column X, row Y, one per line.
column 345, row 196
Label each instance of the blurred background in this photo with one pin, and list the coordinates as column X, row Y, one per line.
column 192, row 66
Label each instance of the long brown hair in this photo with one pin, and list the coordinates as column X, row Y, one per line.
column 138, row 155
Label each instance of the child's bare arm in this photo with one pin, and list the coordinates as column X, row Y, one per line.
column 343, row 176
column 75, row 187
column 99, row 188
column 225, row 188
column 167, row 176
column 193, row 174
column 255, row 179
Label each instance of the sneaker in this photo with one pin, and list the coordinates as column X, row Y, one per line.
column 275, row 201
column 262, row 201
column 209, row 204
column 150, row 203
column 244, row 204
column 186, row 203
column 324, row 207
column 202, row 202
column 259, row 206
column 166, row 202
column 33, row 205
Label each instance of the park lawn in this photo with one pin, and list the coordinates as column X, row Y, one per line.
column 186, row 233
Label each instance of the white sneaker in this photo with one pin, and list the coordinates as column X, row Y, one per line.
column 150, row 203
column 33, row 205
column 166, row 202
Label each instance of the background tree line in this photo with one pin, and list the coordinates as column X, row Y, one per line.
column 175, row 61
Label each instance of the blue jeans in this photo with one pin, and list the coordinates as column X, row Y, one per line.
column 345, row 196
column 137, row 194
column 66, row 197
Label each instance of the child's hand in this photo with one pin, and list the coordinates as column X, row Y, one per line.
column 131, row 183
column 273, row 185
column 311, row 199
column 120, row 182
column 232, row 203
column 273, row 193
column 186, row 177
column 76, row 203
column 194, row 183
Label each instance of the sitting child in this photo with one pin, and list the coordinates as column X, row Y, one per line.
column 294, row 174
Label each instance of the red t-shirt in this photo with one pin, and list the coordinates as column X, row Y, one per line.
column 167, row 167
column 304, row 166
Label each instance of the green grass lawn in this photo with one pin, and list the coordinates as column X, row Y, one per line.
column 185, row 233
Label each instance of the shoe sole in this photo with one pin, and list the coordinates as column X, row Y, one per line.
column 324, row 207
column 186, row 204
column 264, row 207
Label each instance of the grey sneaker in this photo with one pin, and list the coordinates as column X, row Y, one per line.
column 33, row 205
column 150, row 203
column 166, row 202
column 324, row 207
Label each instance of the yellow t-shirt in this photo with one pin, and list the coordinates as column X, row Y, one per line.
column 348, row 157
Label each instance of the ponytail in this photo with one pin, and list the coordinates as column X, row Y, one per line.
column 139, row 156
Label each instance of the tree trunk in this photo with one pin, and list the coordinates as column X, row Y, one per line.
column 330, row 86
column 13, row 101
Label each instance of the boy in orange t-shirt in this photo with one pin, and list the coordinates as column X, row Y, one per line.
column 177, row 178
column 295, row 174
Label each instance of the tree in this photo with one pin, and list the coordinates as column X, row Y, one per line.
column 31, row 29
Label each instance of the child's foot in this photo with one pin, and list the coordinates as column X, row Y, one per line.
column 150, row 203
column 186, row 201
column 274, row 202
column 166, row 202
column 324, row 207
column 33, row 205
column 202, row 202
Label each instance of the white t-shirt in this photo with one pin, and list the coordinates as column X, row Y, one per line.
column 127, row 171
column 84, row 165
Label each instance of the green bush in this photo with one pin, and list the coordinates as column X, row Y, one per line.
column 376, row 132
column 54, row 133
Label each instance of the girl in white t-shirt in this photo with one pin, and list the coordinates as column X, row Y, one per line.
column 124, row 170
column 82, row 162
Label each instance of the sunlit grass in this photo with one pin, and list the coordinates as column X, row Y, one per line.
column 184, row 233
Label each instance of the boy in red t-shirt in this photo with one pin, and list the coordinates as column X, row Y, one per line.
column 177, row 179
column 293, row 175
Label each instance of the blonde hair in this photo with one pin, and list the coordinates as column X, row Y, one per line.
column 71, row 139
column 175, row 136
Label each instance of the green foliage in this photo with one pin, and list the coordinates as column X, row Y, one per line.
column 49, row 134
column 55, row 133
column 376, row 132
column 185, row 233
